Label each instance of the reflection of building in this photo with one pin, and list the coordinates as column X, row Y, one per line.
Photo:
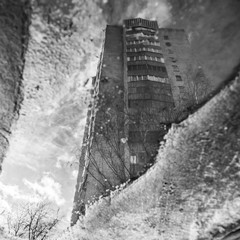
column 145, row 78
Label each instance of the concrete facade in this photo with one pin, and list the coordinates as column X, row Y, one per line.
column 188, row 82
column 143, row 79
column 101, row 165
column 14, row 22
column 148, row 91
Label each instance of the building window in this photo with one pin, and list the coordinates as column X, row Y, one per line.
column 175, row 68
column 142, row 157
column 164, row 69
column 168, row 44
column 133, row 159
column 181, row 89
column 178, row 78
column 132, row 67
column 165, row 37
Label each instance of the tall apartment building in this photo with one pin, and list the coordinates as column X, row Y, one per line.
column 146, row 77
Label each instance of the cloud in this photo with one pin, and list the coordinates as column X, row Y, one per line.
column 47, row 188
column 157, row 10
column 74, row 174
column 17, row 152
column 14, row 192
column 4, row 205
column 64, row 160
column 9, row 190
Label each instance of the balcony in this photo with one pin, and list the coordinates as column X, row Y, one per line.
column 145, row 58
column 151, row 42
column 147, row 78
column 139, row 22
column 145, row 49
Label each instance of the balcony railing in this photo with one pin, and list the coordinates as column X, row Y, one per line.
column 142, row 34
column 145, row 58
column 139, row 22
column 144, row 42
column 143, row 49
column 147, row 77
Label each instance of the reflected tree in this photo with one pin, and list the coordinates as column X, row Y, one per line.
column 33, row 221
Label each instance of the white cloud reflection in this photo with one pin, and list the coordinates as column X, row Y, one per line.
column 47, row 188
column 156, row 10
column 15, row 194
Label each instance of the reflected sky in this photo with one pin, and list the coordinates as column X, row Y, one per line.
column 63, row 52
column 62, row 57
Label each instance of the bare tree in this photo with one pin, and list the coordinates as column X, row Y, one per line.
column 108, row 146
column 196, row 87
column 109, row 135
column 108, row 143
column 33, row 221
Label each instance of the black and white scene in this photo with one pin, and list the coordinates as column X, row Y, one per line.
column 119, row 120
